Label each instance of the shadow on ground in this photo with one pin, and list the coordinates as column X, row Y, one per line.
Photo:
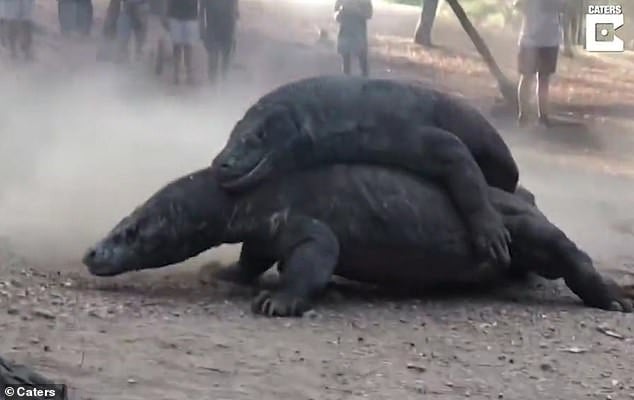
column 196, row 288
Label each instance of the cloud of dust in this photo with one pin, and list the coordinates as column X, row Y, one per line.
column 79, row 154
column 593, row 208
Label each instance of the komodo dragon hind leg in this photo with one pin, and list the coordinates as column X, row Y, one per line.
column 545, row 250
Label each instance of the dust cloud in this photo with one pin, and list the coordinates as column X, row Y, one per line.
column 79, row 154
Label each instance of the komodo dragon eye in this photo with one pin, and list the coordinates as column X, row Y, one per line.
column 260, row 134
column 130, row 233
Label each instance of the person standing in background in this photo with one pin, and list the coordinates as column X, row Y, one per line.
column 84, row 15
column 182, row 20
column 110, row 21
column 66, row 11
column 75, row 16
column 218, row 20
column 4, row 37
column 108, row 47
column 19, row 15
column 155, row 24
column 132, row 20
column 539, row 42
column 352, row 16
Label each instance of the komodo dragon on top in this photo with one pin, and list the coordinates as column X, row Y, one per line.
column 368, row 223
column 329, row 119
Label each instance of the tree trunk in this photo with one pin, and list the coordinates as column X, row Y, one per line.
column 508, row 88
column 572, row 22
column 422, row 35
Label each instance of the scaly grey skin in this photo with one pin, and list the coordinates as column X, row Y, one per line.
column 330, row 119
column 295, row 125
column 367, row 223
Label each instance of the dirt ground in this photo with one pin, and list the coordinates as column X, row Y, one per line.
column 84, row 142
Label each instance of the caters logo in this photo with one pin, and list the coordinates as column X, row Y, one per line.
column 602, row 22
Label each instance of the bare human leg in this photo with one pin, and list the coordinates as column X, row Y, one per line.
column 188, row 53
column 177, row 56
column 13, row 33
column 26, row 28
column 524, row 95
column 363, row 63
column 543, row 89
column 345, row 58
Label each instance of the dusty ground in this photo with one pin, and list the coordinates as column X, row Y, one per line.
column 82, row 143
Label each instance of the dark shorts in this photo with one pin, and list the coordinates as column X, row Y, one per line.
column 543, row 60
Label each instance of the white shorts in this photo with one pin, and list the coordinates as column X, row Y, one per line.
column 17, row 9
column 183, row 32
